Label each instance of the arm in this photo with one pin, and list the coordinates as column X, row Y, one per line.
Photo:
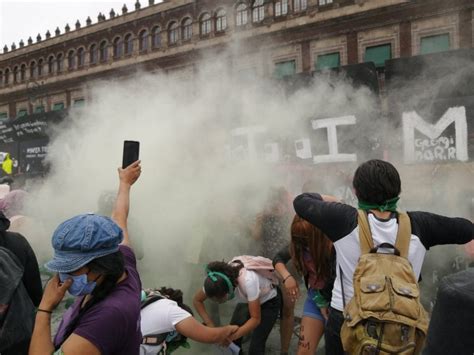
column 252, row 323
column 289, row 282
column 196, row 331
column 433, row 229
column 127, row 177
column 41, row 342
column 77, row 345
column 283, row 256
column 335, row 219
column 198, row 302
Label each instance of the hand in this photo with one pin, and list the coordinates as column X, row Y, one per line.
column 131, row 173
column 229, row 331
column 329, row 198
column 325, row 313
column 292, row 289
column 54, row 292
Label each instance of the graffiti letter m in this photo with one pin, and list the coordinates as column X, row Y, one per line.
column 412, row 121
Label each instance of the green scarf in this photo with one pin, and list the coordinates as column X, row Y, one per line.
column 389, row 205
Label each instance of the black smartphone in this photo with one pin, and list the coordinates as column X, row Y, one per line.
column 131, row 151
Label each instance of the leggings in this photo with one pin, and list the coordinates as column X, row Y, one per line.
column 269, row 312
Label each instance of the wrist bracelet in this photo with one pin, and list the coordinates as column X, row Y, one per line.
column 44, row 310
column 286, row 278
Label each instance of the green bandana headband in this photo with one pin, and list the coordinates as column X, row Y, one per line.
column 389, row 205
column 213, row 276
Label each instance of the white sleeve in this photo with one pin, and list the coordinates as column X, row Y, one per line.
column 252, row 285
column 177, row 314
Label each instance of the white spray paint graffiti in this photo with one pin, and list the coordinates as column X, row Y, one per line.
column 251, row 151
column 334, row 155
column 435, row 146
column 302, row 146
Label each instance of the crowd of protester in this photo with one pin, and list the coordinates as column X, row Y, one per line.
column 315, row 238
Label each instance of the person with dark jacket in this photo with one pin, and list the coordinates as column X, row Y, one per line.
column 377, row 187
column 314, row 257
column 19, row 246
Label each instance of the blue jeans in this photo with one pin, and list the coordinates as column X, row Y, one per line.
column 332, row 333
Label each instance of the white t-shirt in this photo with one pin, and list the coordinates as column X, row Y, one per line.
column 252, row 286
column 160, row 317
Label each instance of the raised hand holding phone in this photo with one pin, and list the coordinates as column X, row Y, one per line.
column 131, row 153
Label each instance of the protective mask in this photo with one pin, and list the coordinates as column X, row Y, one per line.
column 80, row 286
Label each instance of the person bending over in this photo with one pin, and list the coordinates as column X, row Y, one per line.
column 260, row 299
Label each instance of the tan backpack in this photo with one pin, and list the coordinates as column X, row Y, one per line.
column 385, row 315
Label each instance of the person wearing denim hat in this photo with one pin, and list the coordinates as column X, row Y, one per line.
column 94, row 262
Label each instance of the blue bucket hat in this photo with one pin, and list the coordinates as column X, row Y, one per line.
column 81, row 239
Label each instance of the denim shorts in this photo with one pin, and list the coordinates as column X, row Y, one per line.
column 310, row 309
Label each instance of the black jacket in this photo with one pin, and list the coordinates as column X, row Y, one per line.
column 19, row 246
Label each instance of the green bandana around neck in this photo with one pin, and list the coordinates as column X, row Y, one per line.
column 389, row 205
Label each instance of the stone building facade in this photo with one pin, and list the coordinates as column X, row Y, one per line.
column 264, row 37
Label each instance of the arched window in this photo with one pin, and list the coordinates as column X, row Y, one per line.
column 15, row 75
column 300, row 5
column 258, row 11
column 81, row 57
column 173, row 33
column 51, row 65
column 156, row 37
column 59, row 63
column 33, row 70
column 7, row 76
column 221, row 20
column 128, row 42
column 241, row 16
column 93, row 54
column 71, row 60
column 40, row 67
column 281, row 7
column 103, row 52
column 205, row 24
column 187, row 30
column 143, row 41
column 23, row 72
column 118, row 48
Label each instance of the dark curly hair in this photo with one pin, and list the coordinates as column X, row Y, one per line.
column 219, row 288
column 376, row 181
column 177, row 296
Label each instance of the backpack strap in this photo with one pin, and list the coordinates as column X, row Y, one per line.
column 404, row 234
column 151, row 300
column 365, row 236
column 155, row 339
column 402, row 243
